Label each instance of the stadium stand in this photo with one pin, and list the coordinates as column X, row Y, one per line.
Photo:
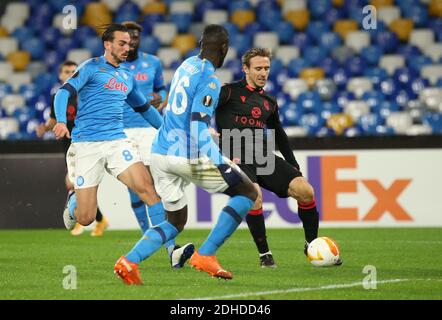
column 330, row 75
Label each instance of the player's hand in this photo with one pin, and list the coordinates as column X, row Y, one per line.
column 41, row 130
column 60, row 130
column 156, row 100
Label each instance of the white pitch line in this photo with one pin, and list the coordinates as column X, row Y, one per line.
column 329, row 287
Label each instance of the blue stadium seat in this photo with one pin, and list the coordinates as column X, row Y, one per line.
column 283, row 99
column 268, row 18
column 312, row 123
column 355, row 66
column 353, row 132
column 313, row 55
column 296, row 65
column 434, row 120
column 373, row 98
column 252, row 28
column 235, row 66
column 329, row 40
column 404, row 76
column 343, row 97
column 241, row 42
column 285, row 31
column 239, row 5
column 386, row 108
column 53, row 59
column 182, row 21
column 150, row 44
column 387, row 40
column 329, row 65
column 301, row 40
column 409, row 51
column 356, row 13
column 416, row 63
column 130, row 7
column 23, row 34
column 309, row 102
column 122, row 16
column 376, row 75
column 340, row 77
column 334, row 14
column 266, row 5
column 316, row 28
column 372, row 54
column 149, row 21
column 51, row 37
column 325, row 132
column 417, row 13
column 28, row 91
column 222, row 4
column 94, row 45
column 348, row 4
column 329, row 108
column 58, row 5
column 369, row 122
column 35, row 47
column 82, row 33
column 276, row 67
column 65, row 44
column 201, row 7
column 389, row 87
column 5, row 89
column 319, row 9
column 291, row 117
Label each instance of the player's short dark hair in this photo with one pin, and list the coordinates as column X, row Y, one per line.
column 109, row 31
column 214, row 35
column 255, row 52
column 132, row 25
column 67, row 63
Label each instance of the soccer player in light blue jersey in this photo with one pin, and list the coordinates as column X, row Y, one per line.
column 148, row 74
column 99, row 143
column 184, row 151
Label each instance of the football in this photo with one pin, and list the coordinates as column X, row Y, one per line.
column 323, row 252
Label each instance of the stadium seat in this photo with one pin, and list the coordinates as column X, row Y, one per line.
column 355, row 66
column 182, row 21
column 311, row 122
column 12, row 102
column 319, row 9
column 326, row 89
column 432, row 98
column 181, row 7
column 381, row 3
column 329, row 65
column 329, row 40
column 96, row 14
column 417, row 13
column 313, row 55
column 342, row 54
column 155, row 8
column 311, row 75
column 19, row 10
column 419, row 130
column 294, row 87
column 19, row 60
column 399, row 121
column 113, row 5
column 295, row 131
column 315, row 29
column 167, row 55
column 433, row 51
column 434, row 120
column 241, row 18
column 16, row 79
column 390, row 62
column 184, row 43
column 285, row 31
column 266, row 39
column 372, row 54
column 388, row 14
column 357, row 40
column 8, row 126
column 267, row 19
column 402, row 28
column 435, row 8
column 421, row 38
column 343, row 27
column 165, row 32
column 232, row 54
column 359, row 86
column 387, row 40
column 417, row 85
column 339, row 122
column 215, row 16
column 309, row 102
column 432, row 72
column 79, row 55
column 8, row 45
column 239, row 5
column 94, row 45
column 287, row 53
column 289, row 5
column 416, row 63
column 6, row 70
column 298, row 18
column 356, row 109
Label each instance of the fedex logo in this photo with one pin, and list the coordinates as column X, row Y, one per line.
column 322, row 173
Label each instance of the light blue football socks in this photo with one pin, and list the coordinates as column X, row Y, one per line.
column 229, row 219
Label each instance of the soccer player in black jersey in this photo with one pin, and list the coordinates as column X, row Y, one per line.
column 245, row 106
column 66, row 70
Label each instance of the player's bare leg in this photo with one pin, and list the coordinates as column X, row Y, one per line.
column 86, row 205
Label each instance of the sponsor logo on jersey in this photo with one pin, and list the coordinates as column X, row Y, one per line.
column 256, row 112
column 114, row 85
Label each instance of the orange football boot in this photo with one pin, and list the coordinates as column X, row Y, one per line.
column 127, row 271
column 100, row 227
column 210, row 265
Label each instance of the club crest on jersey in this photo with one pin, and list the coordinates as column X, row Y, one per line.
column 207, row 101
column 114, row 85
column 212, row 85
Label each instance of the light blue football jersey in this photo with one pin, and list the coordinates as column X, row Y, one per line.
column 148, row 74
column 194, row 89
column 102, row 91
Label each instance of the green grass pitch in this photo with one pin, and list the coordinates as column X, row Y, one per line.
column 407, row 260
